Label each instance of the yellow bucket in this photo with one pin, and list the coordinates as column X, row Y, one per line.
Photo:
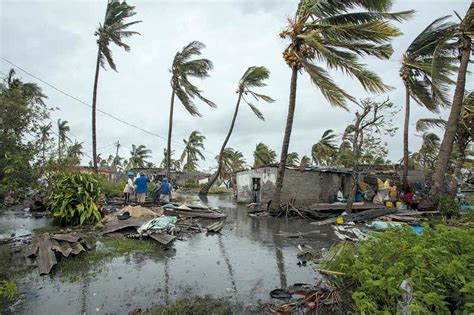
column 389, row 204
column 399, row 203
column 340, row 220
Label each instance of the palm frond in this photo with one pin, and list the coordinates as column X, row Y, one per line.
column 254, row 77
column 187, row 102
column 256, row 111
column 425, row 123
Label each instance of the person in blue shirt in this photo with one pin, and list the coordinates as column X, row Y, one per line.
column 142, row 187
column 165, row 189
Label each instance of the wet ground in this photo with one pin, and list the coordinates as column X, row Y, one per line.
column 250, row 258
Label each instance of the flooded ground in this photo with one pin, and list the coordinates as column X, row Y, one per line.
column 250, row 258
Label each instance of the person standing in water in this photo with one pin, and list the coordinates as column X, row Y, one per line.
column 129, row 188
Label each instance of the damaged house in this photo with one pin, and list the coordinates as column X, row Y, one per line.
column 304, row 185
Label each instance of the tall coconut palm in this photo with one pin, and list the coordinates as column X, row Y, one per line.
column 252, row 78
column 293, row 159
column 425, row 81
column 113, row 30
column 323, row 150
column 192, row 152
column 336, row 33
column 63, row 129
column 463, row 35
column 263, row 155
column 138, row 156
column 45, row 133
column 183, row 68
column 305, row 162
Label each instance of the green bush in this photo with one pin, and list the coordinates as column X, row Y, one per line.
column 8, row 289
column 73, row 198
column 448, row 207
column 111, row 188
column 438, row 265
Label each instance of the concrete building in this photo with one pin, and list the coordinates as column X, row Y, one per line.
column 304, row 186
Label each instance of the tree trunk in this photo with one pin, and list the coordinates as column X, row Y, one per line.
column 212, row 180
column 355, row 167
column 405, row 136
column 94, row 106
column 453, row 122
column 59, row 148
column 170, row 129
column 286, row 140
column 457, row 168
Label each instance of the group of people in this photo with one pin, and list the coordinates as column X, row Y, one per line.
column 139, row 185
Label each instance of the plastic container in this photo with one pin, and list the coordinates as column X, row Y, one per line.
column 389, row 204
column 340, row 220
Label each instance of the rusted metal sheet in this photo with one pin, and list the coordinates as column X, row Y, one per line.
column 66, row 248
column 122, row 224
column 69, row 237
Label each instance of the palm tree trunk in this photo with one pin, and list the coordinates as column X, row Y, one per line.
column 286, row 140
column 458, row 166
column 205, row 189
column 59, row 147
column 94, row 106
column 357, row 143
column 405, row 136
column 170, row 129
column 453, row 121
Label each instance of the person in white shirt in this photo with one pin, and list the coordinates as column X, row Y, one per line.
column 129, row 188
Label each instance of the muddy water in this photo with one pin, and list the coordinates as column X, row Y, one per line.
column 251, row 257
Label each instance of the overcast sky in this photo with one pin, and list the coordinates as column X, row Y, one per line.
column 54, row 40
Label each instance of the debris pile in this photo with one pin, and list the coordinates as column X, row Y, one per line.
column 44, row 254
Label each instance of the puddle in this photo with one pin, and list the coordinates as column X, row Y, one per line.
column 246, row 262
column 21, row 223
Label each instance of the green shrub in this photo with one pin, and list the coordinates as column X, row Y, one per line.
column 111, row 188
column 448, row 207
column 73, row 198
column 438, row 265
column 8, row 289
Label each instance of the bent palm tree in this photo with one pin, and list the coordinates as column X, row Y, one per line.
column 113, row 29
column 263, row 155
column 335, row 32
column 63, row 129
column 182, row 69
column 426, row 69
column 253, row 77
column 305, row 162
column 463, row 35
column 293, row 159
column 325, row 148
column 139, row 156
column 192, row 151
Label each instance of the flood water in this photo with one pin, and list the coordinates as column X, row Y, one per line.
column 251, row 257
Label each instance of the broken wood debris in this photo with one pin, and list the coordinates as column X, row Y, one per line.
column 215, row 227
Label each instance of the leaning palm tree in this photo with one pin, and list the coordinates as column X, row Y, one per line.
column 114, row 29
column 425, row 76
column 139, row 156
column 263, row 155
column 462, row 35
column 63, row 129
column 182, row 69
column 254, row 77
column 293, row 159
column 324, row 149
column 192, row 152
column 336, row 33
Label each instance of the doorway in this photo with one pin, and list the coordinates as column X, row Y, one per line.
column 256, row 190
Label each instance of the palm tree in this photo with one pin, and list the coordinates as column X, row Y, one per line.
column 305, row 162
column 74, row 152
column 63, row 129
column 232, row 161
column 138, row 156
column 426, row 156
column 45, row 132
column 463, row 35
column 426, row 69
column 114, row 29
column 175, row 164
column 263, row 155
column 324, row 149
column 252, row 78
column 192, row 151
column 182, row 69
column 293, row 159
column 336, row 32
